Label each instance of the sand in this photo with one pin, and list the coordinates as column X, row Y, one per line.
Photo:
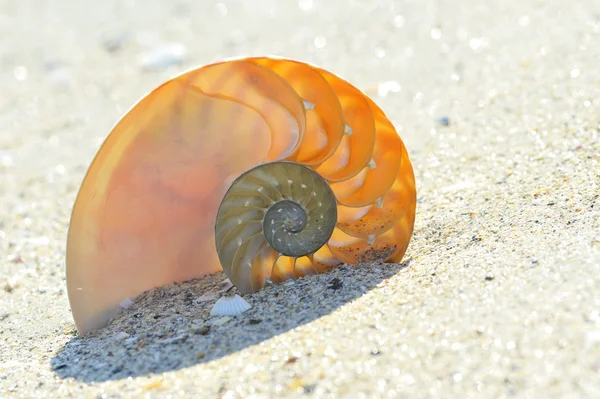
column 499, row 292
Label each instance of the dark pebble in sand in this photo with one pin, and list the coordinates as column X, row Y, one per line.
column 335, row 284
column 202, row 330
column 444, row 121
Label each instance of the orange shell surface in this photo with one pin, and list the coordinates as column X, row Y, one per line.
column 145, row 213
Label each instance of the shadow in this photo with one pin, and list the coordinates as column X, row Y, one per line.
column 170, row 328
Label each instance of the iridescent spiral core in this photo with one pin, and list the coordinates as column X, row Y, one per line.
column 284, row 220
column 290, row 215
column 275, row 209
column 220, row 143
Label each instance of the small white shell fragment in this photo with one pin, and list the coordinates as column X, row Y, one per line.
column 308, row 105
column 348, row 130
column 125, row 303
column 379, row 202
column 230, row 306
column 372, row 164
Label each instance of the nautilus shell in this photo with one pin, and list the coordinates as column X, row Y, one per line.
column 266, row 168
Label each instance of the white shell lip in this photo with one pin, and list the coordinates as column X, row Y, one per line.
column 230, row 306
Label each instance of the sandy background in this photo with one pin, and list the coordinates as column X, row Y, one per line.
column 499, row 292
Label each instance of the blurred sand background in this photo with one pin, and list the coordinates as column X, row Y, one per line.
column 499, row 292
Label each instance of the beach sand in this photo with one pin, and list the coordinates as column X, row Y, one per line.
column 499, row 292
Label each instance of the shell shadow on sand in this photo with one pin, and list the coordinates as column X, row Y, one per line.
column 170, row 328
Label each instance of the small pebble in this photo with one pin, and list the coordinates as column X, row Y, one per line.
column 291, row 360
column 121, row 335
column 205, row 298
column 11, row 284
column 175, row 340
column 202, row 330
column 113, row 43
column 15, row 259
column 443, row 121
column 220, row 321
column 335, row 284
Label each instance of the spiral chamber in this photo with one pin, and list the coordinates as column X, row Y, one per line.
column 273, row 210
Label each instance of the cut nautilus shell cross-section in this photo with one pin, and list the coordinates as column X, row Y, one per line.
column 266, row 168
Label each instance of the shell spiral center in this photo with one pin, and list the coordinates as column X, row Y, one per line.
column 287, row 213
